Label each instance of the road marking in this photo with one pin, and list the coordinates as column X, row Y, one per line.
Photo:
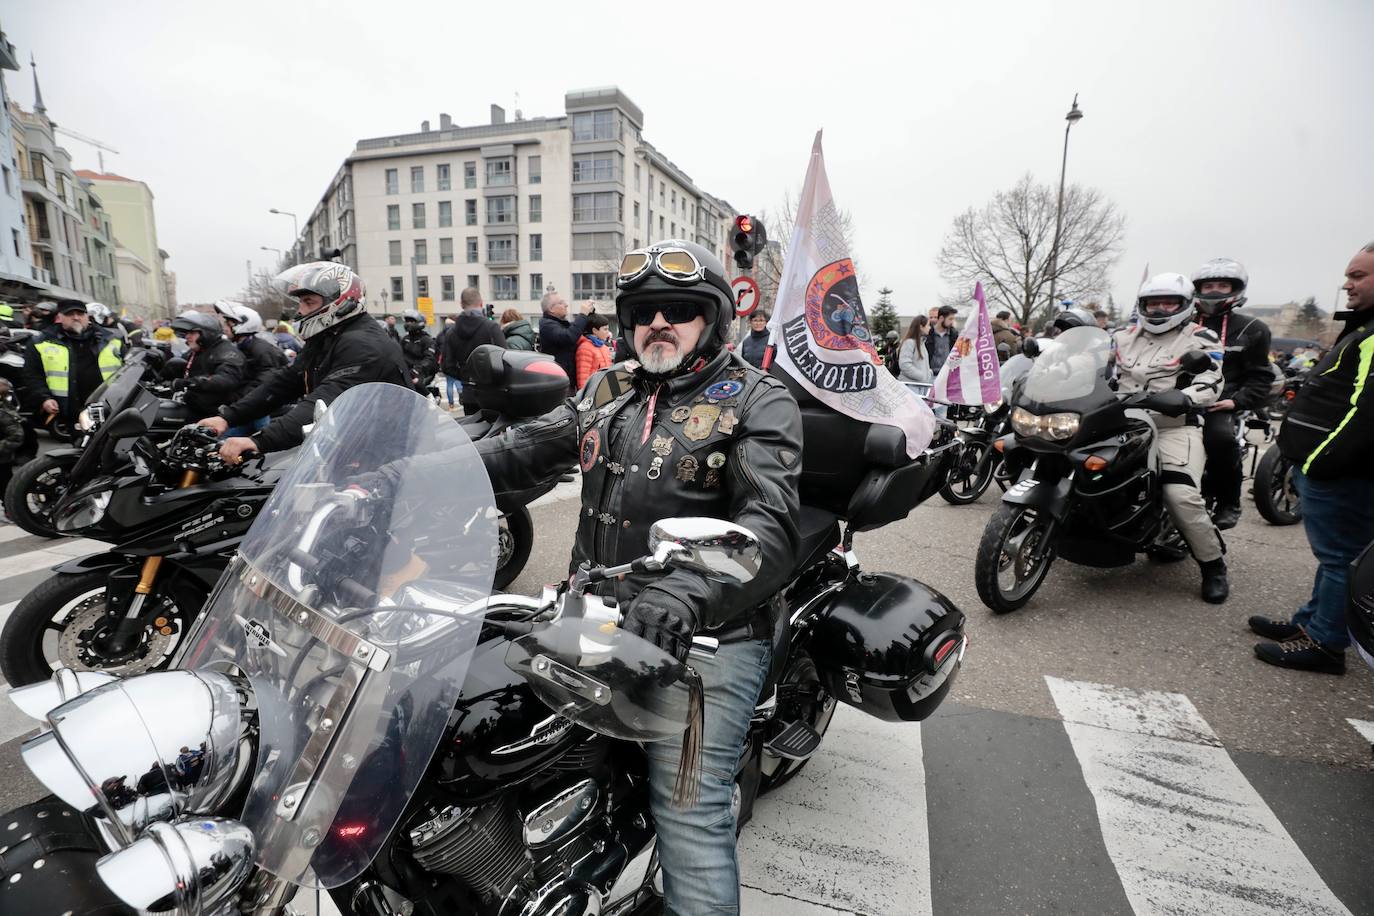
column 11, row 532
column 849, row 832
column 1364, row 728
column 1187, row 832
column 59, row 552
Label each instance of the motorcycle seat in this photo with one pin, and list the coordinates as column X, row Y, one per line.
column 819, row 531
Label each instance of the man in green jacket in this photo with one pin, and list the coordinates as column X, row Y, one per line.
column 1328, row 435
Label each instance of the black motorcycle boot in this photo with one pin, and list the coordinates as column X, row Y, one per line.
column 1277, row 630
column 1226, row 516
column 1215, row 586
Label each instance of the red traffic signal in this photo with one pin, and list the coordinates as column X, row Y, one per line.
column 747, row 240
column 744, row 223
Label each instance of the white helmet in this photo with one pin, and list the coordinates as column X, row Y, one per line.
column 242, row 319
column 1220, row 269
column 1168, row 315
column 100, row 312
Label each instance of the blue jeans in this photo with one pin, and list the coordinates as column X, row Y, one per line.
column 696, row 848
column 455, row 388
column 1338, row 516
column 246, row 429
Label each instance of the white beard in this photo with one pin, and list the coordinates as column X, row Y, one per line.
column 660, row 360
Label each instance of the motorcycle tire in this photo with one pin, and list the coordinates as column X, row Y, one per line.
column 962, row 491
column 34, row 490
column 1275, row 497
column 816, row 711
column 1010, row 521
column 28, row 655
column 515, row 540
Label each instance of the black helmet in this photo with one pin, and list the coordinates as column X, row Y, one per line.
column 890, row 336
column 413, row 318
column 1073, row 317
column 676, row 269
column 211, row 331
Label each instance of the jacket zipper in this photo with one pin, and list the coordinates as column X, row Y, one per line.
column 628, row 434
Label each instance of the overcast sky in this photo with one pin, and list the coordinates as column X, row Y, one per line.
column 1220, row 128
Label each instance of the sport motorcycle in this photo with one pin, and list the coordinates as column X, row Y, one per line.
column 355, row 712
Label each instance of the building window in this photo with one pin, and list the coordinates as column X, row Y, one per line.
column 469, row 174
column 446, row 251
column 441, row 176
column 505, row 286
column 597, row 246
column 536, row 208
column 417, row 179
column 596, row 167
column 673, row 198
column 500, row 172
column 472, row 249
column 422, row 287
column 635, row 246
column 661, row 188
column 501, row 250
column 445, row 213
column 393, row 182
column 398, row 289
column 672, row 230
column 421, row 251
column 600, row 207
column 536, row 286
column 500, row 210
column 15, row 233
column 470, row 212
column 417, row 216
column 474, row 281
column 594, row 125
column 660, row 226
column 446, row 287
column 636, row 176
column 534, row 170
column 9, row 188
column 394, row 252
column 636, row 214
column 537, row 247
column 593, row 286
column 393, row 216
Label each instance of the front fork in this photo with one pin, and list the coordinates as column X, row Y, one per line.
column 130, row 628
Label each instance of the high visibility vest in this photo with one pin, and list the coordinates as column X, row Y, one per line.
column 57, row 364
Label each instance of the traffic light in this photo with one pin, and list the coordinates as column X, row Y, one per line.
column 490, row 310
column 746, row 240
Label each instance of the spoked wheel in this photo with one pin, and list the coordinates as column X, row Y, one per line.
column 1014, row 557
column 1275, row 496
column 63, row 621
column 515, row 538
column 970, row 474
column 34, row 491
column 800, row 698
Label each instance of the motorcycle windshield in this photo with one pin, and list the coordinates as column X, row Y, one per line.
column 1068, row 367
column 354, row 622
column 115, row 392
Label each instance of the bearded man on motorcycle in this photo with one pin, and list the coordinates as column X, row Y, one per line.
column 1148, row 357
column 1218, row 290
column 686, row 428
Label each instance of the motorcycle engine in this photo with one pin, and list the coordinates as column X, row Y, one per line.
column 540, row 852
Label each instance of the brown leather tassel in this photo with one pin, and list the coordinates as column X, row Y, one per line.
column 687, row 788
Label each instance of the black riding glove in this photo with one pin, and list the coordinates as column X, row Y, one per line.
column 664, row 620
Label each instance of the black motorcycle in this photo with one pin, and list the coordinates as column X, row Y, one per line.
column 355, row 712
column 979, row 462
column 1089, row 486
column 38, row 485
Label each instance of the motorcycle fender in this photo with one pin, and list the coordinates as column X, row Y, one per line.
column 204, row 568
column 93, row 563
column 1051, row 497
column 63, row 453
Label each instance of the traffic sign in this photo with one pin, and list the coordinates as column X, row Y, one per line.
column 746, row 292
column 425, row 306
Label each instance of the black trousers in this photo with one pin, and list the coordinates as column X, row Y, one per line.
column 1222, row 478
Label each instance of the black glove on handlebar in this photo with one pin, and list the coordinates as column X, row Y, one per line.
column 664, row 620
column 1172, row 403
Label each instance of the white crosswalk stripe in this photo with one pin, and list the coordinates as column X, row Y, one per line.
column 1366, row 729
column 1187, row 832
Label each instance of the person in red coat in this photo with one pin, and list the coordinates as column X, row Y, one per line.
column 594, row 349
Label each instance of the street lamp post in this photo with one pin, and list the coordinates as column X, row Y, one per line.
column 1073, row 118
column 295, row 226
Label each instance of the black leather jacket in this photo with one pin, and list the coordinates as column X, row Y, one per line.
column 420, row 357
column 214, row 376
column 723, row 442
column 1246, row 376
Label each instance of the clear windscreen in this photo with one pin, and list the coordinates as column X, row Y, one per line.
column 116, row 391
column 354, row 621
column 1069, row 366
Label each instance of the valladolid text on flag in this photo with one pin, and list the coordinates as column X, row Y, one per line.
column 819, row 330
column 972, row 373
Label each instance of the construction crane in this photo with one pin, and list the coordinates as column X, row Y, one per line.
column 100, row 148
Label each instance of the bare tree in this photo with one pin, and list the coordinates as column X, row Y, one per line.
column 1007, row 244
column 265, row 297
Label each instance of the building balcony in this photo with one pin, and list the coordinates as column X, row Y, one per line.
column 502, row 259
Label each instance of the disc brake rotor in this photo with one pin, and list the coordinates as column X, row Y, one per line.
column 76, row 644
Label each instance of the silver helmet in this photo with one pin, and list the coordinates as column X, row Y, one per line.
column 1162, row 316
column 1220, row 269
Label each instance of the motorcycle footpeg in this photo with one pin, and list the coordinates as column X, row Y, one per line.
column 796, row 741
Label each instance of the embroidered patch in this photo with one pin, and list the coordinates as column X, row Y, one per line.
column 701, row 421
column 712, row 480
column 687, row 469
column 591, row 448
column 722, row 390
column 728, row 421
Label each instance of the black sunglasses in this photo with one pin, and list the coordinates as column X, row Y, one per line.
column 680, row 312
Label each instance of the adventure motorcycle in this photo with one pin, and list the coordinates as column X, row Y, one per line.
column 37, row 486
column 355, row 712
column 979, row 463
column 1089, row 484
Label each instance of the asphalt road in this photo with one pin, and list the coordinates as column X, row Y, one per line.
column 1114, row 747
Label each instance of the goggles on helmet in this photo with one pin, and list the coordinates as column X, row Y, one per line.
column 676, row 265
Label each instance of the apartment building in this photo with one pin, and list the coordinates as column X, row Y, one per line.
column 513, row 207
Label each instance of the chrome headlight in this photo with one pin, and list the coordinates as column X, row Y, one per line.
column 992, row 407
column 190, row 725
column 190, row 866
column 1053, row 426
column 85, row 512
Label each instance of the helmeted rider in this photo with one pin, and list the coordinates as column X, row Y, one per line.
column 1218, row 290
column 214, row 367
column 418, row 347
column 103, row 317
column 1148, row 362
column 260, row 352
column 343, row 348
column 686, row 428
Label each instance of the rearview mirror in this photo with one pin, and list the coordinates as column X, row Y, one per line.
column 1031, row 347
column 714, row 547
column 126, row 424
